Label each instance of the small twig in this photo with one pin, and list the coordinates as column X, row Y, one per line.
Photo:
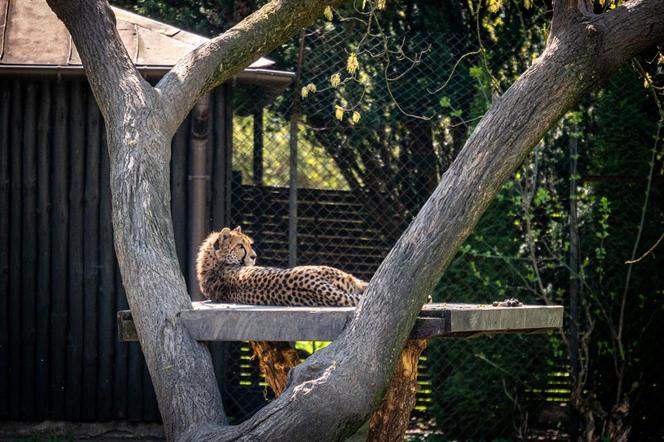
column 648, row 252
column 453, row 70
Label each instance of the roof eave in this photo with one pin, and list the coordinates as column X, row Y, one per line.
column 264, row 77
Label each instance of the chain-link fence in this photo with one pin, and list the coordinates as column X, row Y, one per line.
column 330, row 171
column 370, row 149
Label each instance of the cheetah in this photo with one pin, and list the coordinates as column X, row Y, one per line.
column 226, row 271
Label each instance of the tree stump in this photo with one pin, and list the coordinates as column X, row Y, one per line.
column 390, row 421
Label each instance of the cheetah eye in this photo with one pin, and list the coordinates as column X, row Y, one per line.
column 239, row 246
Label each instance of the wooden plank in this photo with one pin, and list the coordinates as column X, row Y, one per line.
column 469, row 320
column 5, row 100
column 59, row 252
column 91, row 259
column 15, row 372
column 286, row 325
column 44, row 251
column 75, row 269
column 135, row 384
column 106, row 304
column 29, row 255
column 235, row 322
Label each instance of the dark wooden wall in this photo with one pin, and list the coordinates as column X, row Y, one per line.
column 59, row 282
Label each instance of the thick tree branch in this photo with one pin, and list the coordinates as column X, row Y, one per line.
column 139, row 147
column 567, row 11
column 112, row 75
column 628, row 30
column 218, row 60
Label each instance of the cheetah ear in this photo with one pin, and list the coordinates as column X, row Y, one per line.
column 225, row 232
column 238, row 229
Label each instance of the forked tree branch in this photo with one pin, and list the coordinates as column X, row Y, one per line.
column 628, row 30
column 566, row 11
column 216, row 61
column 114, row 79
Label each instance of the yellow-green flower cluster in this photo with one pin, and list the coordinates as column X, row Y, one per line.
column 306, row 90
column 352, row 65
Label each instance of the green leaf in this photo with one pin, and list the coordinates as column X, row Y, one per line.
column 445, row 102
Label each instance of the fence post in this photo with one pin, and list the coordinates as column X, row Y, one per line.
column 258, row 147
column 292, row 185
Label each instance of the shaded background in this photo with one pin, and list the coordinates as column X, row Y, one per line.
column 588, row 199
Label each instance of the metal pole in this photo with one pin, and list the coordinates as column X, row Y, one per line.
column 292, row 193
column 198, row 187
column 258, row 147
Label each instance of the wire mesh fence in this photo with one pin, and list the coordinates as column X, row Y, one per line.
column 330, row 171
column 370, row 150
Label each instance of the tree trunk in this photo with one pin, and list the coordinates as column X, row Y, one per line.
column 330, row 395
column 390, row 421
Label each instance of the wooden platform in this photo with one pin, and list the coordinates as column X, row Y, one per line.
column 235, row 322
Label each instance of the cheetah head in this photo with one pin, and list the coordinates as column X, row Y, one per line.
column 231, row 247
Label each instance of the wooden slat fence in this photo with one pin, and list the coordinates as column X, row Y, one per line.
column 333, row 228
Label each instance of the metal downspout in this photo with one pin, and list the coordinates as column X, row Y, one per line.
column 198, row 178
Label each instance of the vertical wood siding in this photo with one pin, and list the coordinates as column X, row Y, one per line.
column 5, row 100
column 60, row 286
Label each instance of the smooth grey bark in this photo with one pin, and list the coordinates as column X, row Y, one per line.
column 335, row 390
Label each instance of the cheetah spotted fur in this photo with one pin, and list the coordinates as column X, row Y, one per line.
column 226, row 272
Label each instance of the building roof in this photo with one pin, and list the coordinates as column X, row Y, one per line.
column 33, row 39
